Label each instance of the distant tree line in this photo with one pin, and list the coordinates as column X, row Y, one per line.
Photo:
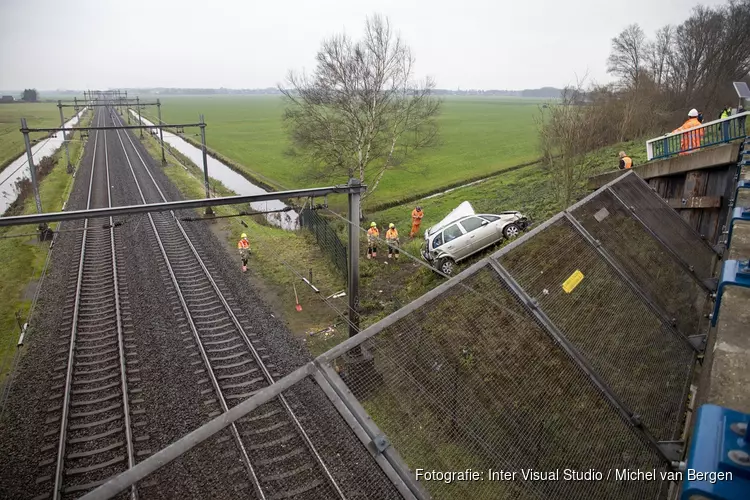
column 660, row 79
column 29, row 95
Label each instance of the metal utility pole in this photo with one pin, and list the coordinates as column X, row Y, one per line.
column 44, row 232
column 65, row 140
column 127, row 106
column 161, row 133
column 32, row 168
column 353, row 281
column 140, row 122
column 209, row 211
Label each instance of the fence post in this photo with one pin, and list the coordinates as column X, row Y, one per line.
column 65, row 141
column 209, row 211
column 353, row 271
column 161, row 133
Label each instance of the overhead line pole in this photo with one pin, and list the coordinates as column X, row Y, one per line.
column 65, row 141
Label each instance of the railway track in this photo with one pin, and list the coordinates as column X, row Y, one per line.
column 278, row 456
column 89, row 421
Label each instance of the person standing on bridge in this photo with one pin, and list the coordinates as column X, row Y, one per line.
column 372, row 240
column 416, row 220
column 625, row 161
column 391, row 238
column 726, row 112
column 244, row 247
column 690, row 141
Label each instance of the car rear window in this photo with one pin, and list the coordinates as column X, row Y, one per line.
column 451, row 233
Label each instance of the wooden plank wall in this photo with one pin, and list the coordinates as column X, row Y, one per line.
column 700, row 188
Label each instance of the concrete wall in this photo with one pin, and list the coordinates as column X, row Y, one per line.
column 725, row 379
column 697, row 185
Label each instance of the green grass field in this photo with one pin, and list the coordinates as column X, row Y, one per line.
column 11, row 139
column 478, row 136
column 22, row 257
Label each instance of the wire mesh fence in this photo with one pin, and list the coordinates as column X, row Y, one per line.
column 326, row 237
column 625, row 342
column 665, row 282
column 470, row 380
column 666, row 225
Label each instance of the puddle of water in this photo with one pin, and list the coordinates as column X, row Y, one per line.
column 229, row 178
column 19, row 169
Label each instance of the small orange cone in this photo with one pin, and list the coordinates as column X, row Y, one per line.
column 296, row 299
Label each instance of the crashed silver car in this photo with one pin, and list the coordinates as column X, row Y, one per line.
column 463, row 233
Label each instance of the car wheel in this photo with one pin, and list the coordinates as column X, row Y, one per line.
column 446, row 266
column 511, row 231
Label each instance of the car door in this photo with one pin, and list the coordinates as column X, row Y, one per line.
column 480, row 232
column 455, row 242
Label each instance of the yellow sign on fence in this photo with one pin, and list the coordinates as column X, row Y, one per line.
column 573, row 281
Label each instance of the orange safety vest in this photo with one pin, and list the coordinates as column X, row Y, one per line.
column 243, row 244
column 372, row 234
column 691, row 140
column 416, row 216
column 391, row 235
column 628, row 162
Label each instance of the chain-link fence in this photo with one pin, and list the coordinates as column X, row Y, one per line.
column 326, row 237
column 551, row 369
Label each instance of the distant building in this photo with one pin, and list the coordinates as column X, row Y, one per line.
column 7, row 98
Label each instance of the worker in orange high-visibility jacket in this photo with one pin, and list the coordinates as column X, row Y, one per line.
column 690, row 141
column 372, row 240
column 391, row 238
column 416, row 220
column 244, row 247
column 625, row 161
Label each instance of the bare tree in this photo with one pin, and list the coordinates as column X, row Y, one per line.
column 361, row 112
column 657, row 55
column 627, row 58
column 568, row 129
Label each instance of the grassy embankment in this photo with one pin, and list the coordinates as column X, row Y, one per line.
column 11, row 140
column 478, row 136
column 22, row 258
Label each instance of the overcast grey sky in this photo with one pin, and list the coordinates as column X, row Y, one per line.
column 481, row 44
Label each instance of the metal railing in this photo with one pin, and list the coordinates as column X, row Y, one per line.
column 690, row 140
column 569, row 351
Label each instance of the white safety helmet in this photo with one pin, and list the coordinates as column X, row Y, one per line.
column 693, row 113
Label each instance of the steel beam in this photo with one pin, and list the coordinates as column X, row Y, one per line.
column 176, row 205
column 111, row 127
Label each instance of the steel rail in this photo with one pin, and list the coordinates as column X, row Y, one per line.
column 194, row 330
column 120, row 339
column 59, row 468
column 243, row 335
